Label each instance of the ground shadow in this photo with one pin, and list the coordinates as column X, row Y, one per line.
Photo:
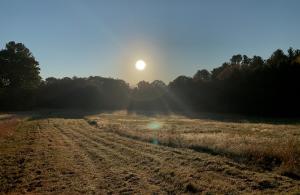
column 238, row 118
column 66, row 113
column 220, row 117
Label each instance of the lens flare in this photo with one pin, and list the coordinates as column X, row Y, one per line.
column 154, row 125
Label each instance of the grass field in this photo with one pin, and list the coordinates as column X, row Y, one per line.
column 119, row 153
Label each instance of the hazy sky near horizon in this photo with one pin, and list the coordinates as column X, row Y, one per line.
column 174, row 37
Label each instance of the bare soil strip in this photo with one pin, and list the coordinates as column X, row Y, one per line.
column 71, row 156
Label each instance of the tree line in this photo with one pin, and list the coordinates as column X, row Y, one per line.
column 244, row 85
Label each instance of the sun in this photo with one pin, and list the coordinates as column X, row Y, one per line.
column 140, row 65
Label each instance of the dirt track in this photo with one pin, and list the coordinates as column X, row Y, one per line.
column 71, row 156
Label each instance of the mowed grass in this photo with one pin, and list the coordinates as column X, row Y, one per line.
column 8, row 124
column 261, row 146
column 109, row 153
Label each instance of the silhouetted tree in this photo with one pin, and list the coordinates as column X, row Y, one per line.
column 246, row 60
column 19, row 76
column 246, row 85
column 236, row 59
column 216, row 71
column 84, row 93
column 202, row 75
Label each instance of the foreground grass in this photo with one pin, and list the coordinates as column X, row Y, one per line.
column 264, row 146
column 8, row 124
column 71, row 155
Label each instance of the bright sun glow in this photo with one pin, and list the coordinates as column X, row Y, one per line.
column 140, row 65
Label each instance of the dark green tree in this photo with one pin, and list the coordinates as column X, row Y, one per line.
column 19, row 76
column 202, row 75
column 236, row 59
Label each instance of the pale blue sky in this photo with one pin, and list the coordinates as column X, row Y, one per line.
column 174, row 37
